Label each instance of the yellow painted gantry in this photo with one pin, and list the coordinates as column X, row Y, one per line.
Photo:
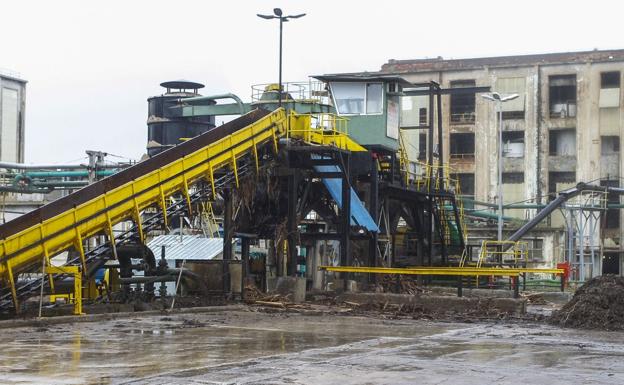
column 35, row 245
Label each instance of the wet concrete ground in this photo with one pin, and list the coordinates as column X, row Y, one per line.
column 259, row 348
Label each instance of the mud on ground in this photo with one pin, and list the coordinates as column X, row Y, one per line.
column 251, row 346
column 598, row 304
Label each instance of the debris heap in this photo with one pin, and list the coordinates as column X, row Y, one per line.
column 598, row 304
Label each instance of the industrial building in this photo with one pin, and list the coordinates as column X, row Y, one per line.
column 12, row 131
column 12, row 116
column 565, row 127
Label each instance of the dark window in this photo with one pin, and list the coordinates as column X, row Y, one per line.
column 466, row 187
column 462, row 104
column 422, row 116
column 511, row 115
column 422, row 146
column 513, row 177
column 609, row 145
column 610, row 79
column 562, row 142
column 612, row 219
column 462, row 145
column 562, row 100
column 513, row 144
column 559, row 177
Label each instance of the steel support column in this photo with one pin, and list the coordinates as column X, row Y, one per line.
column 429, row 221
column 373, row 209
column 244, row 264
column 345, row 217
column 227, row 240
column 292, row 224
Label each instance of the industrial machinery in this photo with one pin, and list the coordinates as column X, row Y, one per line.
column 332, row 151
column 165, row 127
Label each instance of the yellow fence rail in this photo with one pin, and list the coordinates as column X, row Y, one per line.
column 322, row 129
column 448, row 271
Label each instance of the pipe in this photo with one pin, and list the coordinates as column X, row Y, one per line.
column 64, row 174
column 488, row 215
column 149, row 279
column 61, row 184
column 44, row 166
column 198, row 99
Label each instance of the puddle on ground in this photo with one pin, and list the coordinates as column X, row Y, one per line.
column 258, row 348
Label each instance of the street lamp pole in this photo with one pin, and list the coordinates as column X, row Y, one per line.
column 278, row 14
column 499, row 100
column 500, row 170
column 279, row 90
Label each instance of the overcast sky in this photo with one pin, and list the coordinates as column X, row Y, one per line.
column 91, row 65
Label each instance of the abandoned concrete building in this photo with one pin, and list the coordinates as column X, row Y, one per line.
column 565, row 127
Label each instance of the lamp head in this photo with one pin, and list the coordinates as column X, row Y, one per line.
column 509, row 97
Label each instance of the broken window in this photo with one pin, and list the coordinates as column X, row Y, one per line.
column 462, row 104
column 609, row 156
column 609, row 145
column 466, row 183
column 562, row 142
column 513, row 177
column 612, row 219
column 462, row 145
column 610, row 79
column 512, row 109
column 609, row 90
column 559, row 181
column 562, row 90
column 535, row 250
column 513, row 144
column 358, row 98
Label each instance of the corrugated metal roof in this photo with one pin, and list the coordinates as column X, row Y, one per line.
column 191, row 247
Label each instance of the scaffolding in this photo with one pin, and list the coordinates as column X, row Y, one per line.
column 582, row 216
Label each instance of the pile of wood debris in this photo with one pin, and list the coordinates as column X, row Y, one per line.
column 254, row 296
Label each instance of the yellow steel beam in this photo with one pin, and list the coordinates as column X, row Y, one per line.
column 463, row 271
column 421, row 271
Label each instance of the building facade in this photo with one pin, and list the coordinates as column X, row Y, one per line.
column 12, row 116
column 565, row 127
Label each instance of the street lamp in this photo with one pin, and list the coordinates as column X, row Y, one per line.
column 499, row 100
column 277, row 14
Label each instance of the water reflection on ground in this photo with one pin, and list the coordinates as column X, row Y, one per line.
column 249, row 347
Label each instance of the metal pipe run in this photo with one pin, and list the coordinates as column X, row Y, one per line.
column 45, row 166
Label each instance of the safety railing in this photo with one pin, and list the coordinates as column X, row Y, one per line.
column 413, row 172
column 503, row 253
column 322, row 129
column 311, row 90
